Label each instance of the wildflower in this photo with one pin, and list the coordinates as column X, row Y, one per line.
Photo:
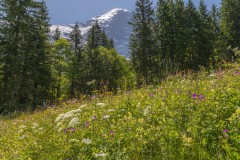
column 237, row 73
column 59, row 118
column 93, row 97
column 22, row 127
column 60, row 129
column 86, row 141
column 146, row 110
column 94, row 117
column 67, row 116
column 87, row 124
column 200, row 97
column 194, row 96
column 59, row 124
column 73, row 141
column 35, row 125
column 24, row 136
column 151, row 94
column 100, row 155
column 82, row 106
column 112, row 133
column 111, row 110
column 101, row 104
column 65, row 130
column 225, row 130
column 106, row 116
column 73, row 122
column 72, row 130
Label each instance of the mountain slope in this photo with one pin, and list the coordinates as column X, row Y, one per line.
column 115, row 24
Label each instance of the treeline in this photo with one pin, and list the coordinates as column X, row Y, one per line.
column 176, row 36
column 36, row 69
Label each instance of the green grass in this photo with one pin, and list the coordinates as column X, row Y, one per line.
column 186, row 117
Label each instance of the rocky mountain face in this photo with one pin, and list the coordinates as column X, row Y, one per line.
column 114, row 23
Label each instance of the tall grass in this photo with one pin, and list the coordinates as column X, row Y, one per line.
column 185, row 117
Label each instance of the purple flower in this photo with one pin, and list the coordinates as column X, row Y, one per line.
column 225, row 130
column 93, row 97
column 200, row 97
column 151, row 94
column 87, row 124
column 73, row 130
column 111, row 133
column 194, row 96
column 65, row 130
column 237, row 73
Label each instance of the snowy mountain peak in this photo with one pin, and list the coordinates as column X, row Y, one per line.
column 114, row 23
column 109, row 15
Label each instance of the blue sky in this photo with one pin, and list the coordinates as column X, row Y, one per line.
column 70, row 11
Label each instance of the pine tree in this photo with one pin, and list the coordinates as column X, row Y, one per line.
column 77, row 61
column 180, row 31
column 229, row 23
column 142, row 42
column 24, row 36
column 192, row 21
column 57, row 34
column 205, row 37
column 230, row 15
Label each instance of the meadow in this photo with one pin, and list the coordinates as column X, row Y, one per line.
column 189, row 116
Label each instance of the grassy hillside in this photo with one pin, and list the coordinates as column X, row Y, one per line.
column 186, row 117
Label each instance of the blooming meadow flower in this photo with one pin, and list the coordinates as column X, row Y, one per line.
column 86, row 124
column 101, row 104
column 194, row 96
column 87, row 141
column 112, row 133
column 100, row 155
column 73, row 141
column 201, row 97
column 106, row 116
column 73, row 122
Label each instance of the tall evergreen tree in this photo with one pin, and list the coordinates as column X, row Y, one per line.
column 142, row 42
column 57, row 34
column 229, row 23
column 205, row 36
column 24, row 36
column 192, row 22
column 77, row 61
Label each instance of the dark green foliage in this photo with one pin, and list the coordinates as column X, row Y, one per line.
column 25, row 50
column 57, row 34
column 142, row 43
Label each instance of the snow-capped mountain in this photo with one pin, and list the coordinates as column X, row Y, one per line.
column 114, row 23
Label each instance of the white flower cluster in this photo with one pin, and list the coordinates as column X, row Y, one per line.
column 100, row 155
column 101, row 104
column 69, row 119
column 86, row 141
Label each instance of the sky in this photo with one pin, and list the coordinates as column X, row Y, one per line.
column 70, row 11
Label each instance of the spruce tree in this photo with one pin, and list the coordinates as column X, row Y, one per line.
column 192, row 21
column 57, row 34
column 204, row 37
column 24, row 34
column 229, row 23
column 142, row 42
column 77, row 61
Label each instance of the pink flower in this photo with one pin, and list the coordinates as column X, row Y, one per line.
column 111, row 133
column 225, row 130
column 87, row 124
column 200, row 97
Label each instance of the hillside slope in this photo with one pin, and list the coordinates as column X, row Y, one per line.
column 192, row 116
